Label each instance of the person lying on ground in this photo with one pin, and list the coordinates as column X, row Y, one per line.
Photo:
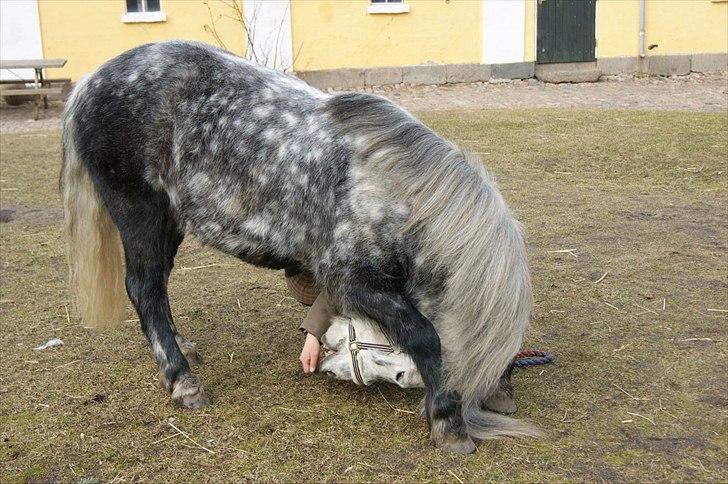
column 304, row 289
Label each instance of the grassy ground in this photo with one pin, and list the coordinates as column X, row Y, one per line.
column 638, row 391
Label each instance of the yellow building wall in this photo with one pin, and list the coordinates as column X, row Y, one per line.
column 676, row 26
column 90, row 32
column 331, row 34
column 529, row 52
column 618, row 27
column 680, row 27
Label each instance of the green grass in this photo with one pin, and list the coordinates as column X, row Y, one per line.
column 640, row 195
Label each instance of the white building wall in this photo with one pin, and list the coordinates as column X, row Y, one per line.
column 269, row 27
column 504, row 35
column 19, row 35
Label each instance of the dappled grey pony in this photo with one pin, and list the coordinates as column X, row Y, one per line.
column 395, row 223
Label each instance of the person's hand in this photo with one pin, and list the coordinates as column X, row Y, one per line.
column 310, row 354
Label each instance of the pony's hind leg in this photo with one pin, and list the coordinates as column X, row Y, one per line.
column 187, row 347
column 150, row 237
column 414, row 333
column 501, row 400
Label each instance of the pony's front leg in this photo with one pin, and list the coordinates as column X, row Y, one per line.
column 416, row 335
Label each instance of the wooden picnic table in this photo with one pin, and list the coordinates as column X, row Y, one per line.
column 38, row 83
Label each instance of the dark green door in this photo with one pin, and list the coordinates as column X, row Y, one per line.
column 565, row 31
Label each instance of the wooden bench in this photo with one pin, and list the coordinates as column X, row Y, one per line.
column 61, row 80
column 31, row 92
column 40, row 87
column 40, row 93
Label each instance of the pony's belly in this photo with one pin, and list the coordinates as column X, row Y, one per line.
column 271, row 249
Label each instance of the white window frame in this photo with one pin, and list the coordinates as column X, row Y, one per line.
column 144, row 16
column 388, row 7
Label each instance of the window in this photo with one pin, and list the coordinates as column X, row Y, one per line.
column 142, row 6
column 387, row 6
column 143, row 11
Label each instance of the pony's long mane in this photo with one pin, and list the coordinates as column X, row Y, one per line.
column 464, row 229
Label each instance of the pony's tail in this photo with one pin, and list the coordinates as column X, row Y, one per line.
column 485, row 425
column 95, row 256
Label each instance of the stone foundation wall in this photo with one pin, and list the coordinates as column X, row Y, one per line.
column 662, row 65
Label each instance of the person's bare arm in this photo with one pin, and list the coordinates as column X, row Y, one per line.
column 315, row 324
column 310, row 354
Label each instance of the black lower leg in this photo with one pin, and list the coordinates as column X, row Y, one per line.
column 149, row 296
column 145, row 284
column 501, row 400
column 416, row 335
column 188, row 348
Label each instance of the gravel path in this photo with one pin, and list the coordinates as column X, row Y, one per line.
column 696, row 92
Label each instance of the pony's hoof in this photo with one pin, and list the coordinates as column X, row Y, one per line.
column 501, row 403
column 189, row 350
column 457, row 445
column 452, row 442
column 188, row 393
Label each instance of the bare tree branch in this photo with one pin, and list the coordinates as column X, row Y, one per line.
column 261, row 53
